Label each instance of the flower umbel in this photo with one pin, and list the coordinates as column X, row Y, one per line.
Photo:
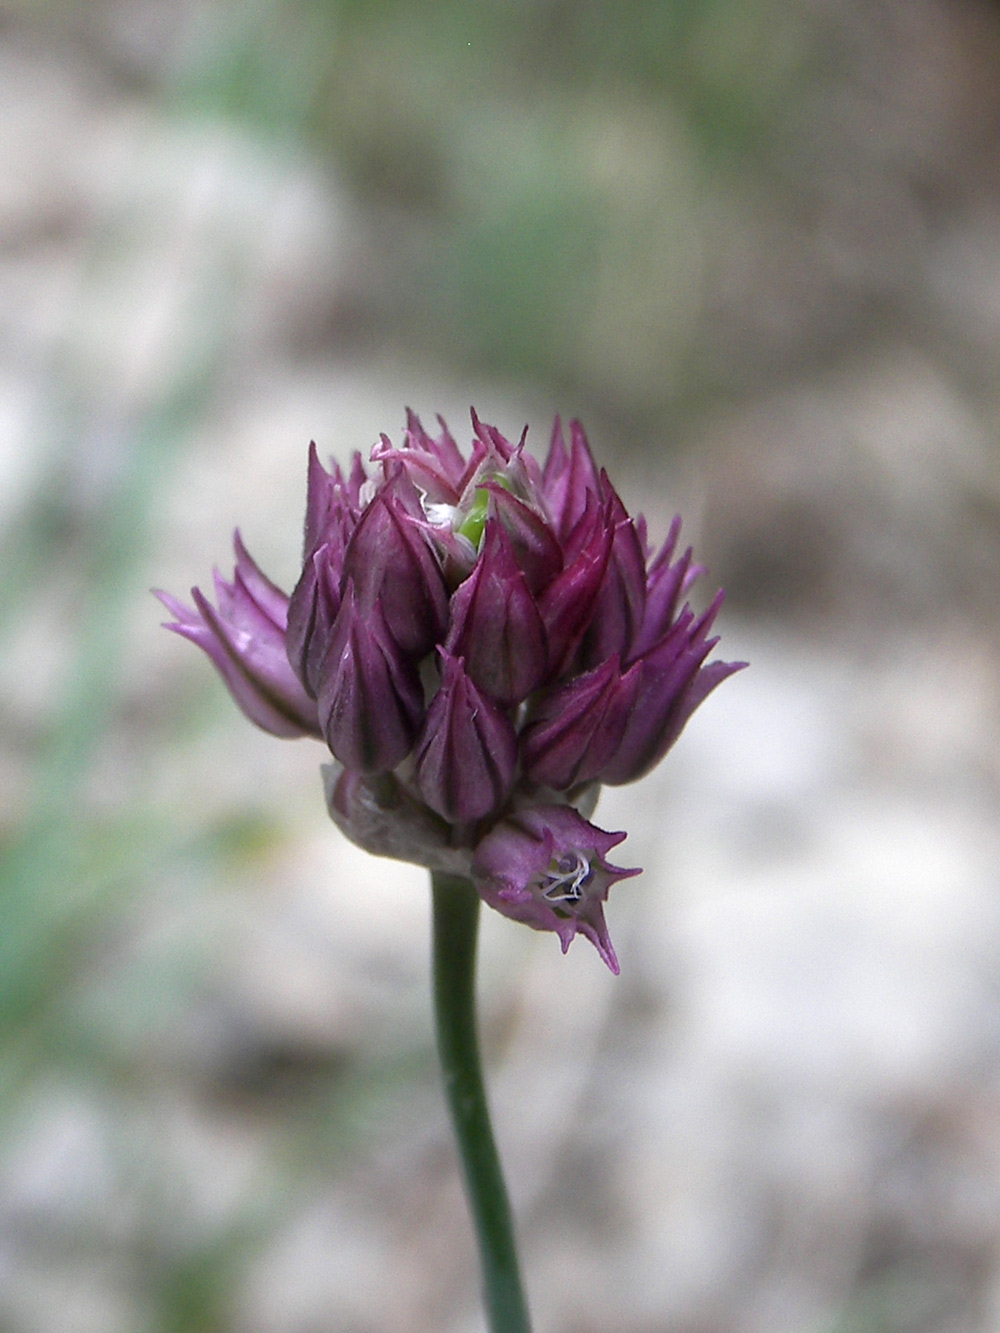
column 482, row 642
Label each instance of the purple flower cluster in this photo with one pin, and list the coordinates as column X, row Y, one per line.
column 481, row 642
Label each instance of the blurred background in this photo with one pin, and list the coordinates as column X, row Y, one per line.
column 755, row 246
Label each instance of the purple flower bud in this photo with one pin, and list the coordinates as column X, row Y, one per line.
column 332, row 512
column 567, row 604
column 320, row 492
column 330, row 498
column 672, row 683
column 667, row 581
column 546, row 866
column 466, row 754
column 370, row 700
column 313, row 609
column 535, row 548
column 392, row 566
column 621, row 600
column 578, row 727
column 495, row 624
column 570, row 479
column 245, row 638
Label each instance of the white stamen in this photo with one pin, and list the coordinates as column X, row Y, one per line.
column 440, row 514
column 564, row 880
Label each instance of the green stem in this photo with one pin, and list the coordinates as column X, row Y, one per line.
column 456, row 922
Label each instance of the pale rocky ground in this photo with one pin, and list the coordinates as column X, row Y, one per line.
column 785, row 1114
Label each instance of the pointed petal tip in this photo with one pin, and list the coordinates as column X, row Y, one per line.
column 183, row 615
column 202, row 603
column 611, row 959
column 596, row 930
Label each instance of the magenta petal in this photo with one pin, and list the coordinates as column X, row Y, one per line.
column 370, row 700
column 330, row 499
column 319, row 501
column 495, row 624
column 444, row 446
column 666, row 582
column 621, row 600
column 533, row 543
column 578, row 727
column 245, row 639
column 569, row 479
column 312, row 611
column 391, row 564
column 265, row 594
column 331, row 518
column 673, row 682
column 467, row 752
column 435, row 465
column 697, row 691
column 495, row 442
column 568, row 603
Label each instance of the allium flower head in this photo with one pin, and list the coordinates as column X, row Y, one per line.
column 482, row 641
